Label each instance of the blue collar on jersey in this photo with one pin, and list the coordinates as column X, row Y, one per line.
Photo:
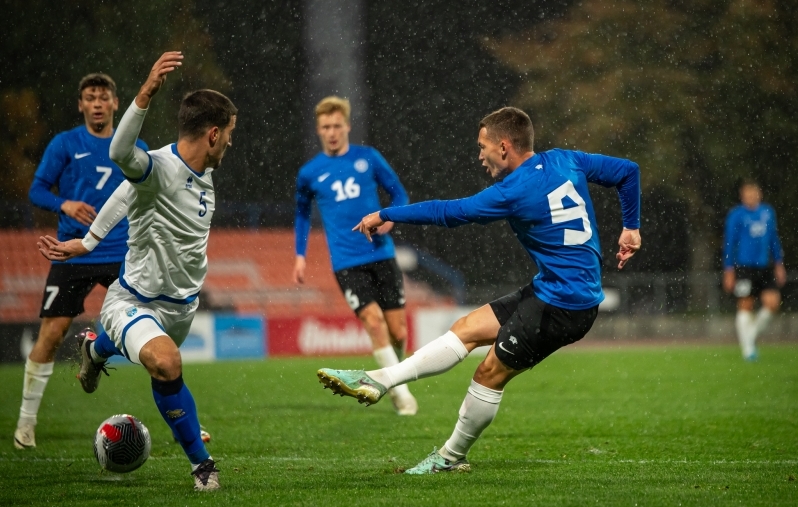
column 174, row 150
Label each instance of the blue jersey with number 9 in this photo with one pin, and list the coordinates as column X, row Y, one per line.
column 547, row 204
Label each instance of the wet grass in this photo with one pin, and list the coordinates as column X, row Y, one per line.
column 662, row 425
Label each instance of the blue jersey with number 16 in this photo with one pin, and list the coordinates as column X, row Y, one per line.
column 77, row 162
column 345, row 188
column 547, row 204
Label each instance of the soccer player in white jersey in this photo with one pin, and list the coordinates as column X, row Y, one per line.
column 147, row 313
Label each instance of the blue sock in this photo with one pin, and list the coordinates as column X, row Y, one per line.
column 177, row 408
column 104, row 347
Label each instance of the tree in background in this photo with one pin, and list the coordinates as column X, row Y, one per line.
column 54, row 44
column 699, row 93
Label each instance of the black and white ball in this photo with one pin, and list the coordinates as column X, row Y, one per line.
column 122, row 443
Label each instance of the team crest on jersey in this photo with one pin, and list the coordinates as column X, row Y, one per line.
column 513, row 340
column 361, row 165
column 189, row 182
column 131, row 311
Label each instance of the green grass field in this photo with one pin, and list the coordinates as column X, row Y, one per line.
column 637, row 426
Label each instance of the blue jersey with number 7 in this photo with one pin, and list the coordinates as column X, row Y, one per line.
column 547, row 204
column 77, row 163
column 345, row 188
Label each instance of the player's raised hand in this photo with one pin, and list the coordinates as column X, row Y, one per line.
column 629, row 244
column 55, row 250
column 369, row 225
column 80, row 211
column 168, row 62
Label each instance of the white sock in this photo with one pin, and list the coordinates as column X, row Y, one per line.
column 36, row 377
column 386, row 357
column 438, row 356
column 746, row 332
column 476, row 413
column 94, row 356
column 763, row 318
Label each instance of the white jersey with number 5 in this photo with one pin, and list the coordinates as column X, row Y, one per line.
column 170, row 218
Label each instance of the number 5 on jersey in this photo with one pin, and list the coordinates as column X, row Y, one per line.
column 344, row 191
column 203, row 204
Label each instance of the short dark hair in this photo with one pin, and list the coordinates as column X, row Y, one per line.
column 510, row 123
column 97, row 79
column 748, row 182
column 201, row 110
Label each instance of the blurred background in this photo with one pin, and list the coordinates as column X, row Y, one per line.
column 699, row 93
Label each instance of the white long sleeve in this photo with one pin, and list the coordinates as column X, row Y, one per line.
column 133, row 161
column 113, row 211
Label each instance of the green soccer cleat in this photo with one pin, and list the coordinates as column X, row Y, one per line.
column 435, row 463
column 354, row 383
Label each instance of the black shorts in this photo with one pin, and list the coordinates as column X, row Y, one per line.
column 69, row 284
column 378, row 281
column 750, row 282
column 532, row 330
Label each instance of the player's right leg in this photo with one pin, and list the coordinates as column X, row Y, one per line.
column 479, row 327
column 38, row 369
column 66, row 287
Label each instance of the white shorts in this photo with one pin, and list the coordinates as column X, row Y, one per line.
column 131, row 323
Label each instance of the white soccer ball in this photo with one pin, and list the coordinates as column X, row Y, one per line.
column 122, row 443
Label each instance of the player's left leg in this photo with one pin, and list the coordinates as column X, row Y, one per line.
column 161, row 357
column 533, row 332
column 771, row 301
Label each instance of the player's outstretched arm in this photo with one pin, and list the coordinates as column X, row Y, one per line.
column 629, row 243
column 135, row 162
column 55, row 250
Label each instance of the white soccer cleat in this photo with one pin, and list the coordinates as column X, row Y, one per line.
column 206, row 476
column 404, row 405
column 25, row 436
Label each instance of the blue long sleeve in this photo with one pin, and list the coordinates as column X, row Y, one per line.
column 387, row 179
column 304, row 200
column 731, row 239
column 622, row 174
column 41, row 196
column 485, row 207
column 775, row 245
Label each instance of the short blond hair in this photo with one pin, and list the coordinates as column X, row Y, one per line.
column 331, row 104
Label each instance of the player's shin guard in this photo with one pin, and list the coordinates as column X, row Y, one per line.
column 436, row 357
column 103, row 348
column 177, row 408
column 476, row 413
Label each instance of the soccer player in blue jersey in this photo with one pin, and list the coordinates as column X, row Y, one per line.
column 344, row 180
column 544, row 197
column 753, row 264
column 77, row 163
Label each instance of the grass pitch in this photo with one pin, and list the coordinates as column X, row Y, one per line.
column 641, row 426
